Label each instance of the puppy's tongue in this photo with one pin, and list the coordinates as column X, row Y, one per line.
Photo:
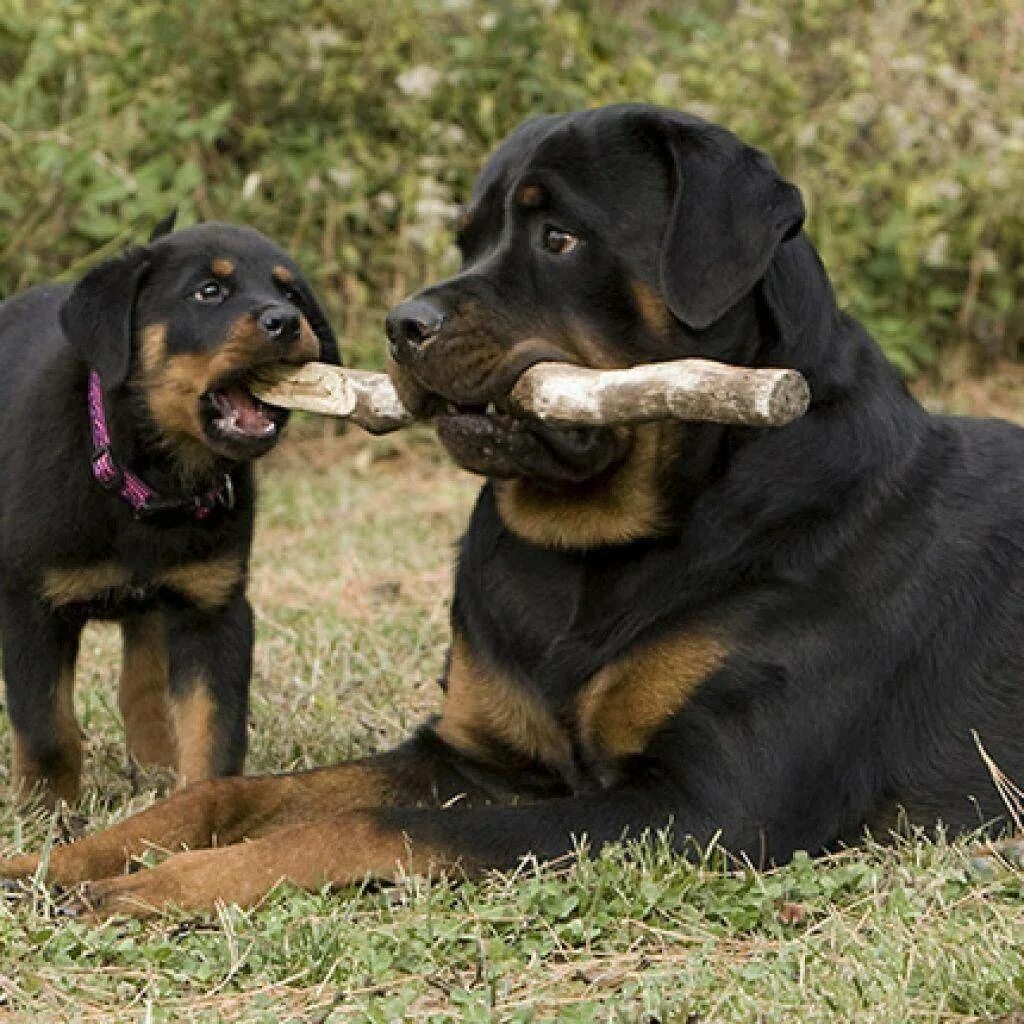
column 242, row 411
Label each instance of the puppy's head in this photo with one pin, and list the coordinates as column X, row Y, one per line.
column 182, row 322
column 605, row 238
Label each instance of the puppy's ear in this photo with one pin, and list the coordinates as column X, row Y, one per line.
column 730, row 210
column 164, row 226
column 97, row 316
column 313, row 312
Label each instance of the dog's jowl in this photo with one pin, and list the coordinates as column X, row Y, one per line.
column 126, row 433
column 775, row 636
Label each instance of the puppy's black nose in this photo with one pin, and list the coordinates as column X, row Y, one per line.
column 411, row 325
column 279, row 323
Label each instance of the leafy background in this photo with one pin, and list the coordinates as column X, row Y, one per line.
column 350, row 130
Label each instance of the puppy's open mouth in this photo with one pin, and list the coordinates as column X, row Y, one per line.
column 236, row 422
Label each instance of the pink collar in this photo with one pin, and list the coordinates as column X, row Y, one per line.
column 145, row 502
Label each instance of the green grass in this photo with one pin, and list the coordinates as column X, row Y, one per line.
column 351, row 581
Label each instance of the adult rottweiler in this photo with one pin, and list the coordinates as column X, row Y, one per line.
column 126, row 433
column 782, row 636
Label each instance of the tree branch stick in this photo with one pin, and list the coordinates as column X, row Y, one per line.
column 684, row 389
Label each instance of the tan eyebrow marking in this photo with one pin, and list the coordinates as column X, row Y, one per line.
column 530, row 195
column 282, row 275
column 222, row 266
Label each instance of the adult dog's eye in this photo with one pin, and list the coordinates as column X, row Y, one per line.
column 210, row 291
column 559, row 242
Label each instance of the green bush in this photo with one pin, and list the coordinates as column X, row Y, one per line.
column 349, row 131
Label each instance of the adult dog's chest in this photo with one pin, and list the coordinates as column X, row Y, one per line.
column 561, row 661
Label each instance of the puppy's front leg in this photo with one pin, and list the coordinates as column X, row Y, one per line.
column 210, row 654
column 39, row 651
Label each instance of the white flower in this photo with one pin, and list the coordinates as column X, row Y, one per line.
column 430, row 208
column 937, row 252
column 454, row 135
column 342, row 177
column 419, row 81
column 386, row 201
column 947, row 189
column 251, row 185
column 488, row 21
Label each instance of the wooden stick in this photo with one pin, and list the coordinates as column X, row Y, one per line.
column 560, row 393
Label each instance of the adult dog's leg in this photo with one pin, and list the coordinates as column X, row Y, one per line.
column 39, row 652
column 382, row 844
column 224, row 811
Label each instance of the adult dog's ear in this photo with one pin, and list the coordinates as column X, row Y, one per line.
column 164, row 226
column 730, row 210
column 313, row 312
column 97, row 317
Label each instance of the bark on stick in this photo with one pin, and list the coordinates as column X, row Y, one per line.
column 683, row 389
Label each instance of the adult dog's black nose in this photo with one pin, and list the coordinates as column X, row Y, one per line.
column 279, row 323
column 411, row 325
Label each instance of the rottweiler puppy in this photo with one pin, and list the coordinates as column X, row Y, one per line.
column 782, row 636
column 126, row 491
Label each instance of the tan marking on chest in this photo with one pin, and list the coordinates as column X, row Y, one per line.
column 626, row 702
column 206, row 584
column 482, row 706
column 627, row 506
column 85, row 583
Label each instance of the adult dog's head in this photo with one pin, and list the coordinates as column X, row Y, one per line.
column 180, row 324
column 605, row 238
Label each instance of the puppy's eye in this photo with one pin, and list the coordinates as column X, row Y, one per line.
column 210, row 291
column 559, row 242
column 291, row 294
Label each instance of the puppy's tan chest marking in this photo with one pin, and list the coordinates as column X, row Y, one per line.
column 614, row 715
column 208, row 584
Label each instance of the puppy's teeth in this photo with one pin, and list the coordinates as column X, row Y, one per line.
column 491, row 409
column 451, row 408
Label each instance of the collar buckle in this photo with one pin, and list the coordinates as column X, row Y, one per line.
column 105, row 470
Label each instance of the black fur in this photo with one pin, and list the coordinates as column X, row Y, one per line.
column 54, row 517
column 863, row 565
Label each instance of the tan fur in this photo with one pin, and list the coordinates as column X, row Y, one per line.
column 71, row 586
column 653, row 311
column 222, row 267
column 340, row 851
column 626, row 702
column 194, row 716
column 480, row 706
column 61, row 781
column 222, row 811
column 173, row 384
column 208, row 584
column 143, row 696
column 530, row 195
column 282, row 275
column 625, row 507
